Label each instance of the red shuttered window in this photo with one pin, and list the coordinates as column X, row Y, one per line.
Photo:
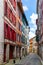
column 5, row 30
column 5, row 8
column 14, row 36
column 11, row 1
column 14, row 4
column 10, row 34
column 8, row 12
column 10, row 15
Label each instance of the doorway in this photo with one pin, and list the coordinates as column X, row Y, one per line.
column 11, row 52
column 5, row 52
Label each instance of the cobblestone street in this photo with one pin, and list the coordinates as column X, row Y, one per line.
column 31, row 59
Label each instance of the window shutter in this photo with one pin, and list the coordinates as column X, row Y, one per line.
column 8, row 32
column 5, row 8
column 14, row 35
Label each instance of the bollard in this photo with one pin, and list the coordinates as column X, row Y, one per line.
column 20, row 58
column 14, row 61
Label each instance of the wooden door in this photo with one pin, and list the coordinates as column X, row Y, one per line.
column 11, row 52
column 5, row 53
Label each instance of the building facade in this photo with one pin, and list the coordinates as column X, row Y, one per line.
column 30, row 45
column 39, row 31
column 11, row 42
column 33, row 45
column 24, row 25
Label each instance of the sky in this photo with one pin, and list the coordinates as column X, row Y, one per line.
column 29, row 7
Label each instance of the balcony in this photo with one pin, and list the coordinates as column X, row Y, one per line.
column 24, row 40
column 23, row 28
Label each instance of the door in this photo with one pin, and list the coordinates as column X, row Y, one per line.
column 11, row 52
column 5, row 53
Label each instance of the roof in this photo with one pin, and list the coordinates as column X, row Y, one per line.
column 32, row 38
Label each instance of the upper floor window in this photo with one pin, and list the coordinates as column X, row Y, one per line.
column 5, row 30
column 14, row 20
column 14, row 36
column 5, row 8
column 11, row 1
column 15, row 4
column 10, row 15
column 10, row 34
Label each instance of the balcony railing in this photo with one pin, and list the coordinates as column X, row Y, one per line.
column 24, row 40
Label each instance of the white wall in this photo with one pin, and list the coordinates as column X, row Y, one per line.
column 7, row 52
column 1, row 21
column 1, row 30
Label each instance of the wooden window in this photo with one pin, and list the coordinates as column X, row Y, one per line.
column 8, row 12
column 10, row 34
column 10, row 15
column 5, row 8
column 6, row 31
column 11, row 1
column 14, row 4
column 14, row 36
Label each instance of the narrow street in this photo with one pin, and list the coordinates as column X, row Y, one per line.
column 32, row 59
column 21, row 32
